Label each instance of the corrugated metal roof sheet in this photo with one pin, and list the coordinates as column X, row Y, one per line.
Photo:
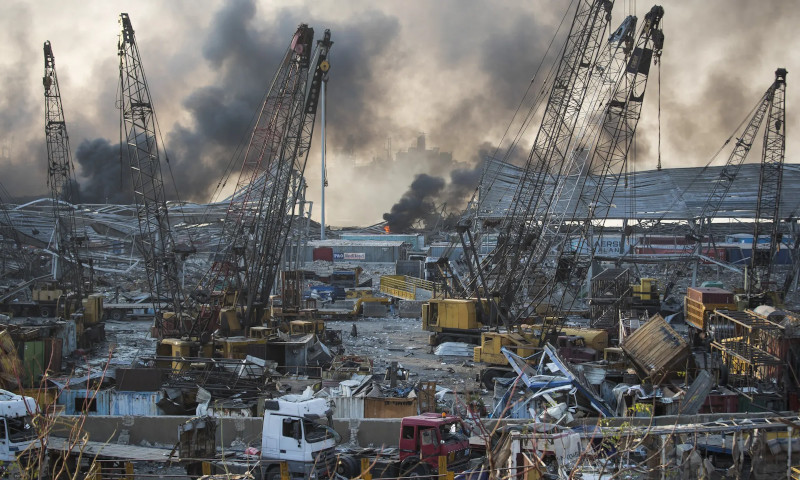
column 669, row 194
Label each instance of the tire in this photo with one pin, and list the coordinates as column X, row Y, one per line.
column 44, row 311
column 117, row 315
column 487, row 379
column 415, row 469
column 348, row 466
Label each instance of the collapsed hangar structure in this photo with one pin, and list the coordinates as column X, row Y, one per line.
column 668, row 195
column 664, row 203
column 652, row 202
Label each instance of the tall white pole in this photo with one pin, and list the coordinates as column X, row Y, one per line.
column 322, row 210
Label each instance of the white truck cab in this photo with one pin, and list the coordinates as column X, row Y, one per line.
column 297, row 437
column 296, row 433
column 17, row 433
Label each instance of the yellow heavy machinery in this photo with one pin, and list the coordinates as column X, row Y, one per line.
column 48, row 296
column 595, row 338
column 489, row 352
column 87, row 313
column 455, row 320
column 523, row 343
column 462, row 320
column 305, row 327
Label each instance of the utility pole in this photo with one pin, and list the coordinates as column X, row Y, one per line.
column 324, row 175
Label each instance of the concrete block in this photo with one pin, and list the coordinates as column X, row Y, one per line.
column 161, row 430
column 374, row 309
column 411, row 268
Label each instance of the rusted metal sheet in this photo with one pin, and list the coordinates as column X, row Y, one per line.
column 197, row 438
column 697, row 394
column 53, row 353
column 710, row 295
column 91, row 449
column 655, row 348
column 389, row 407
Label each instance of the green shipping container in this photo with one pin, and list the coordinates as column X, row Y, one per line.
column 33, row 363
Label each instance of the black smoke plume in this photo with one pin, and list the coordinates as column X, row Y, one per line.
column 245, row 54
column 103, row 179
column 416, row 204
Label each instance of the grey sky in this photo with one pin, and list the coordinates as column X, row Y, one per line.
column 452, row 69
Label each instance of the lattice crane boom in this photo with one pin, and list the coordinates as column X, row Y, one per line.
column 720, row 189
column 528, row 226
column 61, row 180
column 767, row 221
column 621, row 116
column 260, row 212
column 292, row 157
column 138, row 124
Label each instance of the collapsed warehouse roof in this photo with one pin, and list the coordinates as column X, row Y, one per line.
column 668, row 194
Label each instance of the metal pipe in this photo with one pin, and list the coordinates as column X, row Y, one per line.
column 789, row 440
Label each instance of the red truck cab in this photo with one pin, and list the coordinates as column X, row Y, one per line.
column 431, row 435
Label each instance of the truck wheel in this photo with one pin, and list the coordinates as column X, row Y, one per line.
column 117, row 315
column 414, row 469
column 44, row 311
column 348, row 466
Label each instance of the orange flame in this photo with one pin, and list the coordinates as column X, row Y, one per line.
column 386, row 228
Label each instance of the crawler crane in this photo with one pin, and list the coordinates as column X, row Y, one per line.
column 260, row 213
column 66, row 295
column 155, row 241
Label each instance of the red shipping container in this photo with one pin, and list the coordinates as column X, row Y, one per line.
column 715, row 403
column 709, row 295
column 323, row 253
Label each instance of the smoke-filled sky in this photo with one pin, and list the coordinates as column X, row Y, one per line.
column 455, row 70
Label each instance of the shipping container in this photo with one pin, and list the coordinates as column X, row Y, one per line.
column 416, row 241
column 362, row 251
column 696, row 313
column 708, row 295
column 109, row 402
column 655, row 348
column 727, row 402
column 323, row 253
